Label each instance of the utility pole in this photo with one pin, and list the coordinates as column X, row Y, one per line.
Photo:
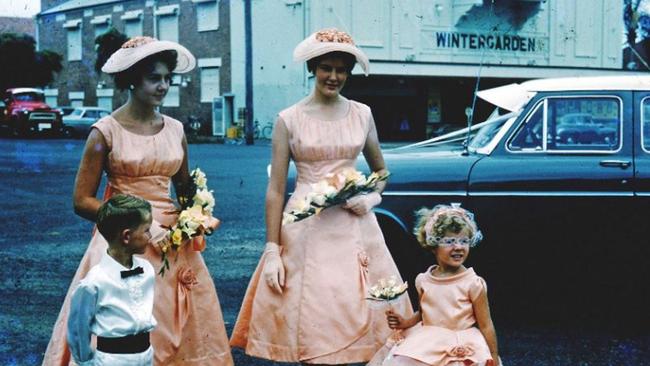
column 249, row 72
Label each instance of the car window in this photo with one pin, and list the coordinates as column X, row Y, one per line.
column 103, row 114
column 645, row 123
column 530, row 133
column 571, row 124
column 91, row 114
column 77, row 112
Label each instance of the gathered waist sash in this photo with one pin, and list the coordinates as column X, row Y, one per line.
column 135, row 343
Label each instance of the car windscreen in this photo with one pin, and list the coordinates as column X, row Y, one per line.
column 28, row 97
column 77, row 112
column 489, row 130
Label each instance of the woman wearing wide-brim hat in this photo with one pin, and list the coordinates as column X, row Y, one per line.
column 306, row 299
column 143, row 152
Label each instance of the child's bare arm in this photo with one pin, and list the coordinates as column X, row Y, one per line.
column 396, row 321
column 484, row 319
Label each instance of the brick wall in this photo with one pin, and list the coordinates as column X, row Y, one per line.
column 80, row 75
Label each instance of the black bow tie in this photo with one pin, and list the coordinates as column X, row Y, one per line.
column 132, row 272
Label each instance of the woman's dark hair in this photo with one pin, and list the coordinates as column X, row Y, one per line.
column 133, row 75
column 348, row 59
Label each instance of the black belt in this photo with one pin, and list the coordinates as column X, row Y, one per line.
column 130, row 344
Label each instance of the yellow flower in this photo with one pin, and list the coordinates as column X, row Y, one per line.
column 177, row 236
column 355, row 176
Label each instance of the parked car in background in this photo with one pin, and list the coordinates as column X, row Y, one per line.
column 26, row 113
column 77, row 123
column 64, row 110
column 565, row 220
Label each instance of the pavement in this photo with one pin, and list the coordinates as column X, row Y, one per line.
column 43, row 241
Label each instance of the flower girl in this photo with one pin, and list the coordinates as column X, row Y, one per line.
column 453, row 326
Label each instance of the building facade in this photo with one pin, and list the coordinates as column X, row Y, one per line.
column 17, row 25
column 70, row 28
column 426, row 56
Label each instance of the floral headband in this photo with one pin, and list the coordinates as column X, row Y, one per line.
column 453, row 210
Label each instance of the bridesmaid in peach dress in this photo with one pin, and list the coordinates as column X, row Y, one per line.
column 142, row 152
column 306, row 299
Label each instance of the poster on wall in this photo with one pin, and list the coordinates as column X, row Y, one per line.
column 433, row 107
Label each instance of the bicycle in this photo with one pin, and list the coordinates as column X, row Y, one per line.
column 263, row 132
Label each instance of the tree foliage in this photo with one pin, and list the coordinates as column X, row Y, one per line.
column 106, row 44
column 22, row 66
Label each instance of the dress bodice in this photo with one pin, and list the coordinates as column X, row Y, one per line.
column 319, row 146
column 447, row 302
column 143, row 165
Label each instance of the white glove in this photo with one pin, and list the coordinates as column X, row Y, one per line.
column 362, row 204
column 273, row 267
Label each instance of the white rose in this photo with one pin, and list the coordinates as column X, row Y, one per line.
column 199, row 178
column 205, row 199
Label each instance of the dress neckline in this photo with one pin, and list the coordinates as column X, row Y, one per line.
column 468, row 272
column 137, row 134
column 345, row 116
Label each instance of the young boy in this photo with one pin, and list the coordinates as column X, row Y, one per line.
column 115, row 300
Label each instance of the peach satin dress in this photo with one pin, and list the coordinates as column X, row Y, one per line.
column 190, row 328
column 330, row 259
column 447, row 334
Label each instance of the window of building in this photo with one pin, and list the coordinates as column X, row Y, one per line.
column 167, row 19
column 101, row 24
column 173, row 98
column 207, row 15
column 51, row 96
column 132, row 23
column 76, row 99
column 210, row 68
column 73, row 28
column 105, row 98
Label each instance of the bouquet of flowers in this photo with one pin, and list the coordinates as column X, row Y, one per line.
column 335, row 189
column 194, row 219
column 387, row 290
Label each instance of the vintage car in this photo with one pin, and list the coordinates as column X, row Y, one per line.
column 26, row 113
column 565, row 220
column 78, row 122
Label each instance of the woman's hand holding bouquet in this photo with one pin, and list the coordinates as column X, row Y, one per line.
column 194, row 219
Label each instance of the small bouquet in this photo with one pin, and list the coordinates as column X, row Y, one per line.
column 387, row 290
column 194, row 218
column 335, row 189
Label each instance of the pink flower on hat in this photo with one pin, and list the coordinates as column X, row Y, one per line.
column 333, row 35
column 137, row 41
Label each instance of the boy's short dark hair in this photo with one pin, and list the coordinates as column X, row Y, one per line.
column 121, row 212
column 134, row 74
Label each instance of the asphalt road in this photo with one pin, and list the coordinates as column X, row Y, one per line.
column 43, row 241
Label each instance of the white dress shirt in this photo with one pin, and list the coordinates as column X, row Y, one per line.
column 107, row 305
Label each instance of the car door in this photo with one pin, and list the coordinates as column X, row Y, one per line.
column 546, row 198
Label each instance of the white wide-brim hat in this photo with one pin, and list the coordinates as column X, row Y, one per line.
column 326, row 41
column 138, row 48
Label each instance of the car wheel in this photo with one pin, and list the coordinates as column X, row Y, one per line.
column 68, row 132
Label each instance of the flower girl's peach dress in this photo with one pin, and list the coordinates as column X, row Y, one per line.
column 331, row 259
column 190, row 328
column 447, row 334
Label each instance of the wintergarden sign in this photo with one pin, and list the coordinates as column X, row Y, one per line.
column 490, row 41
